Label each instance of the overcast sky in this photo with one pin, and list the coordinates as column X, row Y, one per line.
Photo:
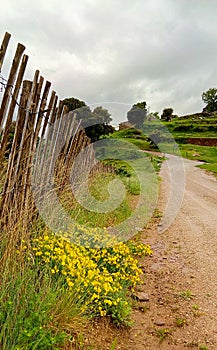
column 119, row 51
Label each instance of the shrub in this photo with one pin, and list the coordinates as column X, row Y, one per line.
column 101, row 276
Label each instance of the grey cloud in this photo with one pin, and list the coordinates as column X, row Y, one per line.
column 163, row 52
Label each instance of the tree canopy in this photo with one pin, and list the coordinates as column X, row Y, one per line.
column 137, row 114
column 102, row 115
column 95, row 123
column 167, row 114
column 210, row 98
column 73, row 103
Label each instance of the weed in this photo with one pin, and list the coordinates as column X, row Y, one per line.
column 192, row 344
column 187, row 295
column 203, row 347
column 163, row 333
column 157, row 214
column 143, row 308
column 196, row 310
column 181, row 322
column 113, row 345
column 133, row 186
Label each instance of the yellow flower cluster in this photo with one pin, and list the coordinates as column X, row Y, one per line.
column 101, row 276
column 95, row 237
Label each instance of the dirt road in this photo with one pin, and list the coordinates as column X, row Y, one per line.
column 181, row 276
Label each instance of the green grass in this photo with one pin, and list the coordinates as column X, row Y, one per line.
column 133, row 136
column 99, row 191
column 135, row 170
column 35, row 308
column 130, row 133
column 141, row 144
column 210, row 167
column 205, row 154
column 113, row 345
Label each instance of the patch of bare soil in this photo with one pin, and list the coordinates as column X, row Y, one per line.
column 179, row 310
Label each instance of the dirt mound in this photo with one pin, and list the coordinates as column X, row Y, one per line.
column 202, row 141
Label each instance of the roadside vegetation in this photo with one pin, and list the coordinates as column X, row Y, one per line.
column 53, row 285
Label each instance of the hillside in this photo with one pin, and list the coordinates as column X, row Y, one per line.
column 199, row 125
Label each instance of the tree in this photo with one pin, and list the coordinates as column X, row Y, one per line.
column 95, row 123
column 152, row 116
column 99, row 124
column 94, row 132
column 85, row 115
column 167, row 114
column 102, row 115
column 210, row 98
column 137, row 114
column 73, row 103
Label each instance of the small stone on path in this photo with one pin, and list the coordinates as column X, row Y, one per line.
column 159, row 323
column 141, row 296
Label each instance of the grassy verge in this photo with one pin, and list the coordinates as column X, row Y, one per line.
column 206, row 154
column 98, row 189
column 51, row 286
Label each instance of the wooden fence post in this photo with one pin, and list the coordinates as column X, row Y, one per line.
column 13, row 103
column 3, row 48
column 10, row 82
column 10, row 184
